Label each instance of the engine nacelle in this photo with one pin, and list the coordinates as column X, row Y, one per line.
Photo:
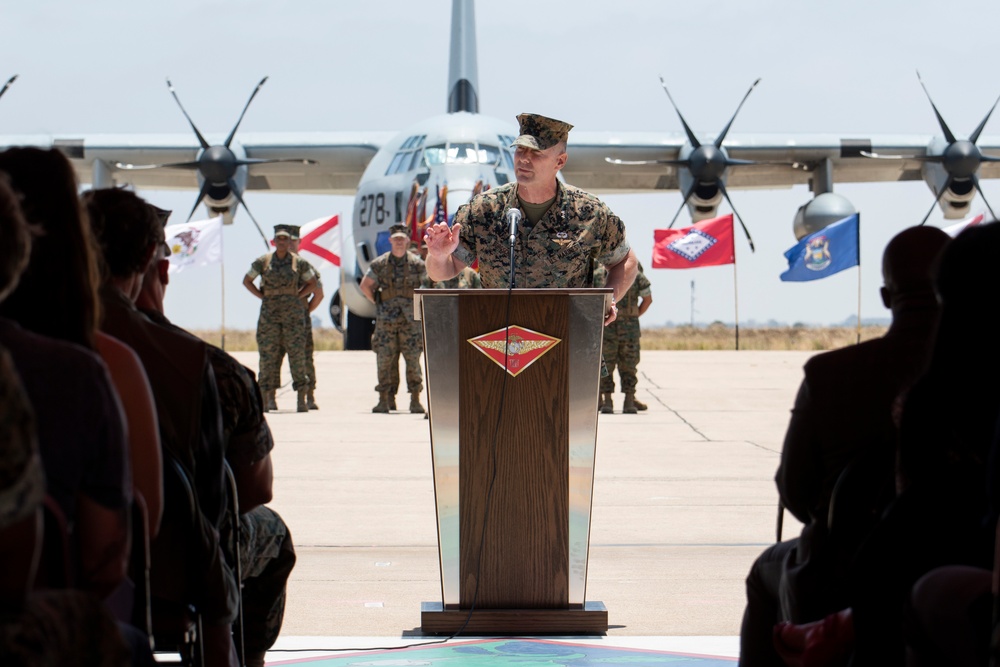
column 956, row 202
column 704, row 201
column 824, row 209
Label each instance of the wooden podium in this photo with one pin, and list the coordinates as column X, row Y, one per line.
column 513, row 456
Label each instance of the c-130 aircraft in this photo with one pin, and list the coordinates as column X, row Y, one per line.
column 397, row 177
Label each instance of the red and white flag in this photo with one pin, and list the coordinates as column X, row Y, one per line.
column 705, row 243
column 321, row 238
column 956, row 229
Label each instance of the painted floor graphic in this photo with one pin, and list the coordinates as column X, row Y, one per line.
column 512, row 652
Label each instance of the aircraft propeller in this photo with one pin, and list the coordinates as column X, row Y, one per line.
column 707, row 163
column 7, row 85
column 960, row 159
column 217, row 164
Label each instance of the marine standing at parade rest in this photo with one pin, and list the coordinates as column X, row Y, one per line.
column 285, row 282
column 312, row 302
column 564, row 234
column 389, row 284
column 621, row 343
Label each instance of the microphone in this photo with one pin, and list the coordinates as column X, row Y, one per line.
column 513, row 219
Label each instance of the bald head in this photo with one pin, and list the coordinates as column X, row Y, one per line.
column 909, row 259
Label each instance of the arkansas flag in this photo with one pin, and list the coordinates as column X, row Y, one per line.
column 194, row 244
column 321, row 238
column 705, row 243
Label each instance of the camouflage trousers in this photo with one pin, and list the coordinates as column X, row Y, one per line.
column 391, row 339
column 310, row 362
column 266, row 559
column 280, row 329
column 621, row 349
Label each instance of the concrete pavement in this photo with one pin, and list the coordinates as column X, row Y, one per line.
column 684, row 497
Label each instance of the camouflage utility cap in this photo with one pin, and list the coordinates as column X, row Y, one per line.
column 282, row 230
column 399, row 230
column 539, row 132
column 294, row 231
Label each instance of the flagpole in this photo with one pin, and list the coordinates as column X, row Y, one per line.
column 736, row 303
column 859, row 277
column 222, row 285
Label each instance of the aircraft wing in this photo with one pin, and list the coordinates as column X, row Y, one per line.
column 339, row 158
column 794, row 158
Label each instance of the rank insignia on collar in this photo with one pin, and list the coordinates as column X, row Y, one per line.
column 523, row 346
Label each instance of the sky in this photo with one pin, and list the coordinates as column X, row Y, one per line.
column 845, row 68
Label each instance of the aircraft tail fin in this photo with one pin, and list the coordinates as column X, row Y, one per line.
column 463, row 69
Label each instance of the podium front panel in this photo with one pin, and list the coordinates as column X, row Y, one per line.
column 522, row 445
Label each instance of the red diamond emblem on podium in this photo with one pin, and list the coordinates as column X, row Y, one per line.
column 525, row 347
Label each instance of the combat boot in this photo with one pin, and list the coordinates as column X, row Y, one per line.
column 629, row 407
column 415, row 406
column 269, row 402
column 607, row 406
column 639, row 405
column 383, row 402
column 311, row 400
column 301, row 405
column 392, row 400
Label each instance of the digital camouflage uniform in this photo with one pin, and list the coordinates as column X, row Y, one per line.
column 560, row 250
column 281, row 317
column 308, row 328
column 621, row 337
column 396, row 331
column 467, row 278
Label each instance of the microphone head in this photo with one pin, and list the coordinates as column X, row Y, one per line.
column 514, row 215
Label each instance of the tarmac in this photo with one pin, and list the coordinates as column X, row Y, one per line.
column 684, row 500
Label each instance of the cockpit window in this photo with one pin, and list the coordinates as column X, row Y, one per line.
column 408, row 156
column 462, row 153
column 508, row 158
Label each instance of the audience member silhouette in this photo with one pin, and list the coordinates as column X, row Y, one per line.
column 947, row 431
column 36, row 627
column 184, row 389
column 843, row 413
column 266, row 552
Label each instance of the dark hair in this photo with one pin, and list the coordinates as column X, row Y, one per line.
column 16, row 241
column 126, row 227
column 57, row 294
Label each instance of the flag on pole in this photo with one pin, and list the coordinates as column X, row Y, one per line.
column 959, row 227
column 826, row 252
column 705, row 243
column 321, row 238
column 194, row 244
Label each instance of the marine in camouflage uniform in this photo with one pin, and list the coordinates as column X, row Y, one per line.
column 284, row 280
column 389, row 283
column 312, row 302
column 565, row 232
column 621, row 343
column 467, row 278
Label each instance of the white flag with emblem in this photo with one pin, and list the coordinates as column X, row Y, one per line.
column 194, row 244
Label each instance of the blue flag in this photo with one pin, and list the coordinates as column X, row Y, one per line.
column 824, row 253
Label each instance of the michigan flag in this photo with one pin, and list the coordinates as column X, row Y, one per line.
column 705, row 243
column 826, row 252
column 194, row 244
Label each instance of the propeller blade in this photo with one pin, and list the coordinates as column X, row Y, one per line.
column 229, row 139
column 989, row 158
column 975, row 181
column 693, row 139
column 974, row 137
column 734, row 162
column 725, row 130
column 7, row 85
column 738, row 218
column 201, row 139
column 248, row 161
column 686, row 163
column 687, row 195
column 172, row 165
column 944, row 126
column 947, row 184
column 201, row 195
column 239, row 197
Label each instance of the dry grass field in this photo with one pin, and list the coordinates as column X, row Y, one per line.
column 713, row 337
